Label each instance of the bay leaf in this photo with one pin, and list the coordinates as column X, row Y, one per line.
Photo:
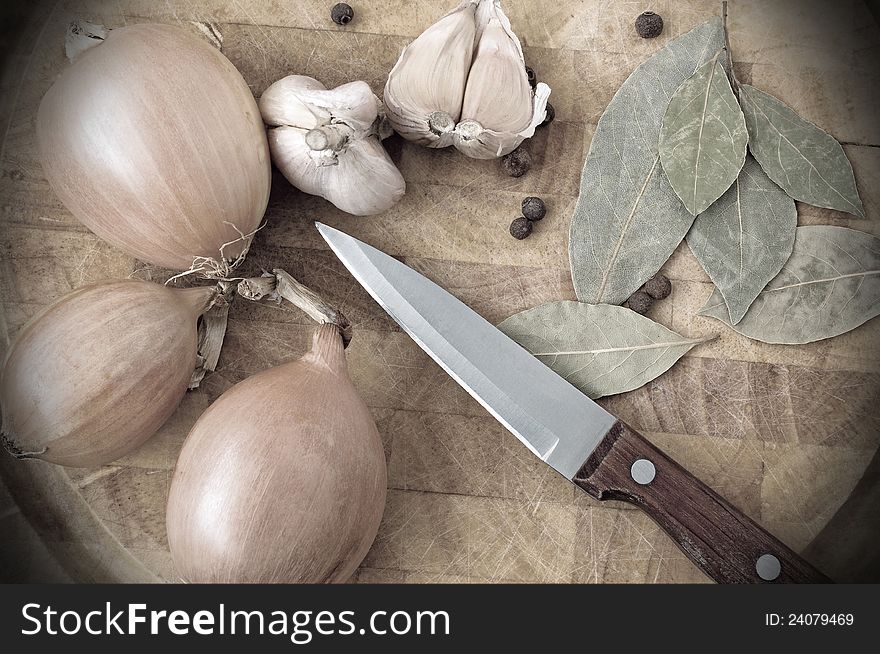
column 807, row 162
column 830, row 285
column 703, row 137
column 743, row 240
column 602, row 349
column 628, row 219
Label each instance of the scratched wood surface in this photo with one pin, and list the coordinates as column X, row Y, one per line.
column 785, row 433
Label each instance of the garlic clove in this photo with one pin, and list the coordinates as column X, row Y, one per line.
column 353, row 104
column 498, row 94
column 477, row 142
column 367, row 181
column 426, row 87
column 362, row 180
column 300, row 101
column 499, row 109
column 282, row 104
column 291, row 154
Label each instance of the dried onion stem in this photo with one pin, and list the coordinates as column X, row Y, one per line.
column 212, row 330
column 280, row 284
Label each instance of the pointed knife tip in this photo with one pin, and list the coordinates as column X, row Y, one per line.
column 334, row 238
column 325, row 230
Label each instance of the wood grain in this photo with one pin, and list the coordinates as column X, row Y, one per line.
column 784, row 433
column 721, row 541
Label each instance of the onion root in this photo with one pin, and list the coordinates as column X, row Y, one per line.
column 9, row 445
column 222, row 267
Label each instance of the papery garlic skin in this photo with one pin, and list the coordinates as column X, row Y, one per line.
column 325, row 142
column 476, row 141
column 303, row 102
column 425, row 89
column 281, row 103
column 499, row 110
column 498, row 94
column 366, row 160
column 487, row 111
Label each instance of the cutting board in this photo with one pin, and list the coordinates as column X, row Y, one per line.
column 785, row 433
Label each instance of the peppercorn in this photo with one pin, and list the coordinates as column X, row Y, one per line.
column 533, row 78
column 658, row 287
column 520, row 228
column 640, row 302
column 534, row 208
column 341, row 13
column 518, row 162
column 550, row 114
column 649, row 25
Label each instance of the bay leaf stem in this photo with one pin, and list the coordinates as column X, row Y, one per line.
column 630, row 348
column 734, row 83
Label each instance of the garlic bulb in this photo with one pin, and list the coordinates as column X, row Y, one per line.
column 463, row 82
column 282, row 479
column 326, row 143
column 98, row 372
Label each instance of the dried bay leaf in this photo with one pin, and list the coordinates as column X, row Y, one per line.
column 743, row 240
column 830, row 285
column 601, row 349
column 807, row 162
column 628, row 219
column 703, row 137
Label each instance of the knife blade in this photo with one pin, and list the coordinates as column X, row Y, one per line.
column 566, row 429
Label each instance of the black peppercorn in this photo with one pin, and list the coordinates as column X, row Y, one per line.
column 550, row 115
column 520, row 228
column 534, row 208
column 518, row 162
column 341, row 13
column 658, row 287
column 533, row 78
column 640, row 302
column 649, row 25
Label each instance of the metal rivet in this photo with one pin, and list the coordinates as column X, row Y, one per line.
column 768, row 567
column 643, row 471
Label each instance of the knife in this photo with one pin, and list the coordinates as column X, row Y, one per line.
column 566, row 429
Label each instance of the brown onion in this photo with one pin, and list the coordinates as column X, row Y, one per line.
column 97, row 373
column 282, row 479
column 154, row 141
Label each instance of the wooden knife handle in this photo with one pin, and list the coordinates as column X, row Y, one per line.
column 727, row 545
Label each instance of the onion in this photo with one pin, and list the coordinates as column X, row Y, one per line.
column 97, row 373
column 154, row 141
column 282, row 479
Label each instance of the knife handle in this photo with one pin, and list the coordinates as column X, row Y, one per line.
column 725, row 544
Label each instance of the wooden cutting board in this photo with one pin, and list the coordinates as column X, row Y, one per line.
column 784, row 432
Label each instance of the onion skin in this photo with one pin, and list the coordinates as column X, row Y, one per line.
column 97, row 373
column 152, row 139
column 282, row 479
